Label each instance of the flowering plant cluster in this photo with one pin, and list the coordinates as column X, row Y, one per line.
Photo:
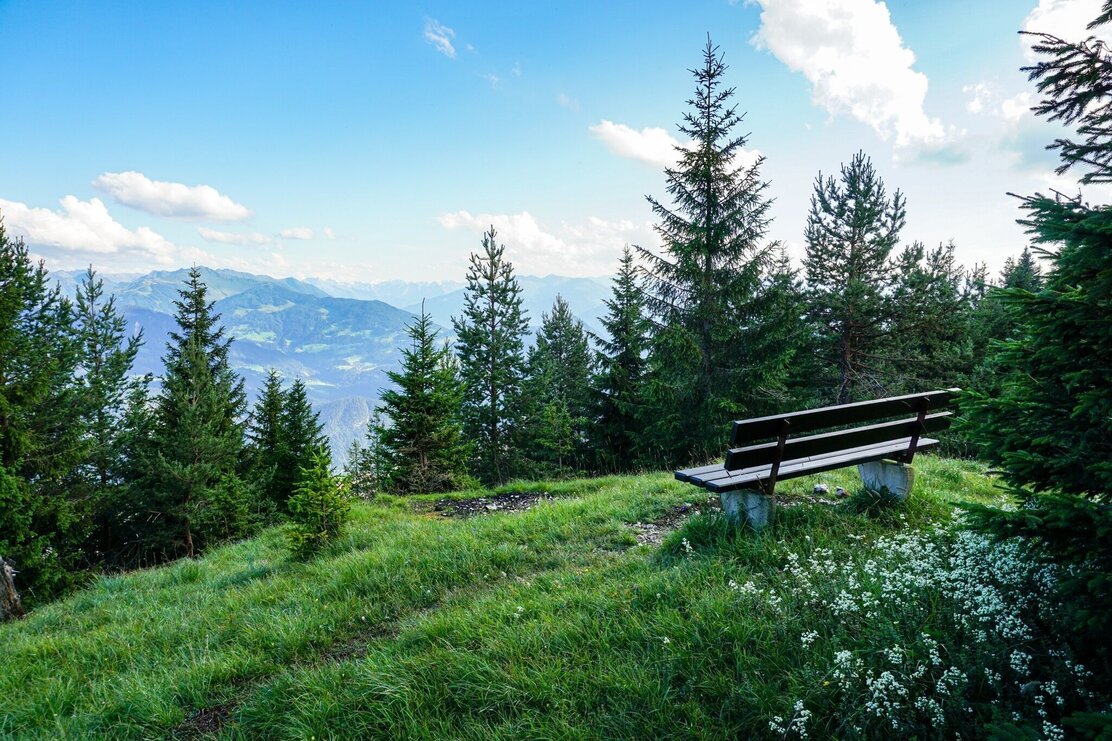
column 934, row 632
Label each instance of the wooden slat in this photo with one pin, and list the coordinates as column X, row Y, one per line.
column 687, row 473
column 746, row 431
column 747, row 479
column 704, row 474
column 804, row 447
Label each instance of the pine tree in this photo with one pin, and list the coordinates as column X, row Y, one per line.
column 42, row 522
column 788, row 336
column 301, row 434
column 420, row 434
column 198, row 436
column 851, row 231
column 619, row 394
column 491, row 349
column 124, row 525
column 369, row 463
column 704, row 293
column 557, row 386
column 1050, row 425
column 1022, row 273
column 320, row 505
column 107, row 356
column 265, row 438
column 928, row 340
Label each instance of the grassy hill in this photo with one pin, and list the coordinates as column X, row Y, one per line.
column 550, row 612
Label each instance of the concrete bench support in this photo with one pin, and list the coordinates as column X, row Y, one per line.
column 896, row 478
column 752, row 508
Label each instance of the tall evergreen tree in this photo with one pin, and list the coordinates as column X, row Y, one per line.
column 558, row 393
column 704, row 292
column 851, row 231
column 107, row 356
column 1022, row 272
column 125, row 526
column 301, row 436
column 928, row 332
column 1050, row 425
column 265, row 439
column 42, row 525
column 788, row 336
column 198, row 435
column 491, row 348
column 618, row 387
column 420, row 432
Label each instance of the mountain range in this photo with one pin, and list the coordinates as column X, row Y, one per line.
column 341, row 339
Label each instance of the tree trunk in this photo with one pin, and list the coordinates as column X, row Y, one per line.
column 10, row 606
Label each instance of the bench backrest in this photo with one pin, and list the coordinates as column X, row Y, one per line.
column 927, row 410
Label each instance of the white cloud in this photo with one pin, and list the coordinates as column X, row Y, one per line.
column 516, row 70
column 1065, row 19
column 492, row 78
column 173, row 200
column 328, row 233
column 244, row 238
column 856, row 62
column 590, row 248
column 83, row 227
column 979, row 96
column 440, row 36
column 1017, row 107
column 652, row 145
column 296, row 232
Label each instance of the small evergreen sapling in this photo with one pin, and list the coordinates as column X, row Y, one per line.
column 320, row 506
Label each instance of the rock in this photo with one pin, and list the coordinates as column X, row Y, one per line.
column 492, row 507
column 821, row 489
column 840, row 492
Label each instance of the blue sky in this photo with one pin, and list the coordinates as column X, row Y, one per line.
column 365, row 141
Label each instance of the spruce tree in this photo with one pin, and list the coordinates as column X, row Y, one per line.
column 789, row 337
column 851, row 231
column 557, row 387
column 420, row 433
column 1050, row 425
column 928, row 338
column 107, row 356
column 265, row 438
column 704, row 291
column 319, row 507
column 43, row 511
column 618, row 386
column 301, row 435
column 491, row 349
column 125, row 529
column 198, row 435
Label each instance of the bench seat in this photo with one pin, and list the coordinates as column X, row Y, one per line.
column 716, row 478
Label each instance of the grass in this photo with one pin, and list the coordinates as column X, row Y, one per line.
column 548, row 623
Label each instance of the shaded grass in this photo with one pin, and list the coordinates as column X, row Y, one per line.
column 544, row 623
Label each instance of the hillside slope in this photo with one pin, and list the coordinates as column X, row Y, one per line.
column 565, row 619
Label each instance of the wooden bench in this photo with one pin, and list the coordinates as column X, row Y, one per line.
column 765, row 450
